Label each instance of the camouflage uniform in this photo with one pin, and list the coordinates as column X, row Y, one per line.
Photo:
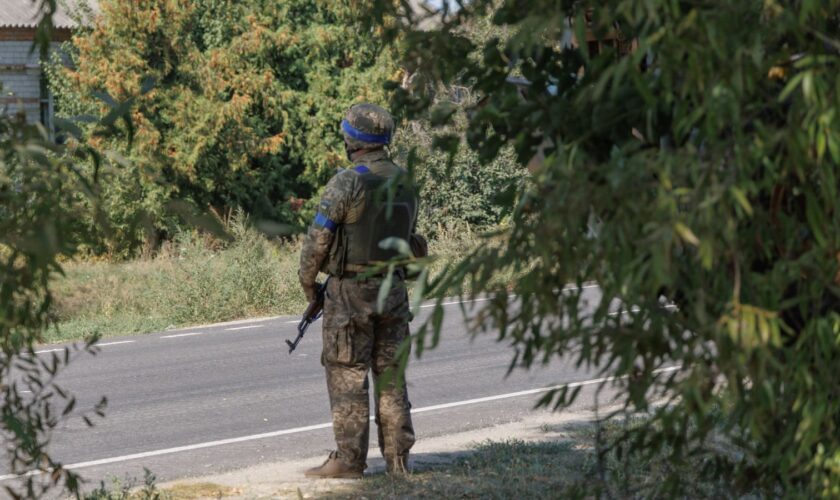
column 356, row 337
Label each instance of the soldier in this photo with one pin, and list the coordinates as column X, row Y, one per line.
column 361, row 207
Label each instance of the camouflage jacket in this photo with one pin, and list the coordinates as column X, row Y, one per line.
column 343, row 202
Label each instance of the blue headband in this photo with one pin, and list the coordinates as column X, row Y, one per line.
column 364, row 136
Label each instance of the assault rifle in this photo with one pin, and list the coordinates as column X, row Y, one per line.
column 311, row 314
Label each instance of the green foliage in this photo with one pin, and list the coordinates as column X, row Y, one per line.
column 244, row 110
column 457, row 191
column 694, row 179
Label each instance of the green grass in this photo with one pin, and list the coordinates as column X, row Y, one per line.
column 192, row 280
column 189, row 282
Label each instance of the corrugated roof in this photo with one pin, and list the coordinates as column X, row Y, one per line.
column 25, row 13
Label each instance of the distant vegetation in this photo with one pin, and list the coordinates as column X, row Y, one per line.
column 243, row 110
column 241, row 113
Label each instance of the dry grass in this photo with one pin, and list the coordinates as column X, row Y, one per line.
column 189, row 282
column 199, row 491
column 193, row 281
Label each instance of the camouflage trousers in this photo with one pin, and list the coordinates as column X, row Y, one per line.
column 357, row 339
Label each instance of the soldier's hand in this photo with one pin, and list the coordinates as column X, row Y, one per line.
column 419, row 245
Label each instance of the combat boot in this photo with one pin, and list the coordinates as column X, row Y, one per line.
column 398, row 465
column 334, row 467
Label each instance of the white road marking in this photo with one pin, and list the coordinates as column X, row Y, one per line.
column 569, row 288
column 618, row 313
column 669, row 307
column 571, row 385
column 116, row 343
column 297, row 430
column 234, row 322
column 482, row 299
column 294, row 321
column 167, row 451
column 190, row 334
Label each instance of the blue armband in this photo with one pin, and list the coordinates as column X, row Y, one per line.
column 323, row 221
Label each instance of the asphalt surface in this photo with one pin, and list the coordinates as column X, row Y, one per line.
column 210, row 399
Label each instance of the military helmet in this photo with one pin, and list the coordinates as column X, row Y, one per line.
column 367, row 126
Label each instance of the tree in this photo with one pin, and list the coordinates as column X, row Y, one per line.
column 695, row 180
column 244, row 109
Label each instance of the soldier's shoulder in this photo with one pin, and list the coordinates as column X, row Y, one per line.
column 351, row 172
column 342, row 174
column 386, row 165
column 343, row 180
column 364, row 169
column 391, row 162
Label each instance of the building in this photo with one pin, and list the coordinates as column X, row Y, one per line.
column 23, row 85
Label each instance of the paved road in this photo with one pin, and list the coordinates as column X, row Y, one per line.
column 215, row 398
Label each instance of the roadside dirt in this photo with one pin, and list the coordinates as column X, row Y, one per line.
column 285, row 479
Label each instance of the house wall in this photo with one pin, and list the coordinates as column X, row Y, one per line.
column 20, row 78
column 20, row 75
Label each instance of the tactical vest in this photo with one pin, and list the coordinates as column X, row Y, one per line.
column 356, row 245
